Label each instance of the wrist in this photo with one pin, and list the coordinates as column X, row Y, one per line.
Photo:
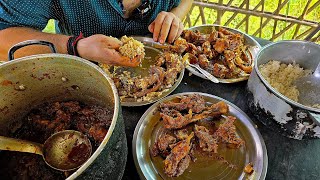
column 81, row 47
column 72, row 44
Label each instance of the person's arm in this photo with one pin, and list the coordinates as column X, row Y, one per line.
column 182, row 10
column 168, row 25
column 99, row 48
column 14, row 35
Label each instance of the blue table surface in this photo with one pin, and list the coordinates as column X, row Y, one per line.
column 288, row 159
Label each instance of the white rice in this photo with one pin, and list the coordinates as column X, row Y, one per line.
column 131, row 48
column 281, row 77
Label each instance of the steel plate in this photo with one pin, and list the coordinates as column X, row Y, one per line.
column 254, row 150
column 151, row 52
column 254, row 48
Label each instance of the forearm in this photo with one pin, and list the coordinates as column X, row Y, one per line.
column 14, row 35
column 182, row 10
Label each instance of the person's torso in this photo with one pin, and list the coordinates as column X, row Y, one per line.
column 103, row 17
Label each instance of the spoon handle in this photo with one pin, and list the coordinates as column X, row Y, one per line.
column 11, row 144
column 204, row 72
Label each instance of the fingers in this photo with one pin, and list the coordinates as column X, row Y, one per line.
column 113, row 57
column 158, row 25
column 174, row 29
column 181, row 27
column 151, row 27
column 166, row 27
column 112, row 43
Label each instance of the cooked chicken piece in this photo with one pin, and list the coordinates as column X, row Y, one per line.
column 213, row 37
column 235, row 41
column 183, row 165
column 203, row 61
column 220, row 70
column 98, row 132
column 192, row 49
column 190, row 36
column 218, row 109
column 175, row 163
column 181, row 134
column 162, row 145
column 225, row 31
column 221, row 45
column 206, row 141
column 154, row 81
column 192, row 58
column 226, row 133
column 195, row 102
column 206, row 46
column 173, row 119
column 180, row 45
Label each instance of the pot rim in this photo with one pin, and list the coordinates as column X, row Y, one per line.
column 115, row 97
column 273, row 90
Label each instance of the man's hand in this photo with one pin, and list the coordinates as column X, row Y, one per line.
column 103, row 49
column 166, row 27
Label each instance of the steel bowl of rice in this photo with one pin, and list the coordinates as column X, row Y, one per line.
column 272, row 94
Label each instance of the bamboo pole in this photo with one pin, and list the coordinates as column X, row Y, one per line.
column 256, row 13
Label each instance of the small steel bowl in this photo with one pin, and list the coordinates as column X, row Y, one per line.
column 253, row 47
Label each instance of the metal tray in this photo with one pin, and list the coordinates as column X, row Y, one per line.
column 254, row 150
column 152, row 52
column 254, row 48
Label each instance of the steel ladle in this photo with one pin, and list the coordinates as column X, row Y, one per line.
column 309, row 88
column 65, row 150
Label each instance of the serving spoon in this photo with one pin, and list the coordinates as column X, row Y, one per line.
column 64, row 151
column 202, row 71
column 309, row 87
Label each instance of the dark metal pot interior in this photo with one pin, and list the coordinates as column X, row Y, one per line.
column 31, row 81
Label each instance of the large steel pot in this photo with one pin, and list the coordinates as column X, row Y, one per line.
column 30, row 81
column 275, row 110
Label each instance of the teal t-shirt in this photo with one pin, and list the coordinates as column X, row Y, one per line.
column 75, row 16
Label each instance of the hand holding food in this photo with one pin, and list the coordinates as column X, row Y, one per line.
column 132, row 48
column 104, row 49
column 166, row 27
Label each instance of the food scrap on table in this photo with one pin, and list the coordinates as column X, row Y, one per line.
column 184, row 127
column 248, row 168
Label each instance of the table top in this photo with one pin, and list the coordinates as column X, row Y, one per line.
column 287, row 158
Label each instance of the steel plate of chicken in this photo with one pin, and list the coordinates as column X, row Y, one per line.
column 197, row 136
column 223, row 52
column 159, row 73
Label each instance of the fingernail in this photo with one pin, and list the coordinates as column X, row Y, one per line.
column 154, row 39
column 161, row 41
